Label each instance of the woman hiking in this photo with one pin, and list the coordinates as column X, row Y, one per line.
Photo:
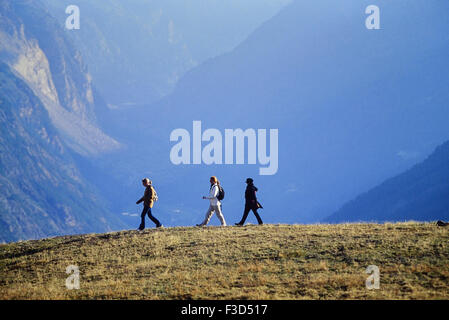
column 251, row 202
column 215, row 205
column 148, row 200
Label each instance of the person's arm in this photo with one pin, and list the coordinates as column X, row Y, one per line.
column 145, row 196
column 213, row 193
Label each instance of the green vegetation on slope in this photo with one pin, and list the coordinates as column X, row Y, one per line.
column 251, row 262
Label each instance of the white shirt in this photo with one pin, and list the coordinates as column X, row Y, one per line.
column 213, row 195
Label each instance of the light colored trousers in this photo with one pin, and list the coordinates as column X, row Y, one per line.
column 211, row 211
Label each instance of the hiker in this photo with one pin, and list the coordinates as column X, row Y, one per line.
column 251, row 202
column 215, row 204
column 148, row 200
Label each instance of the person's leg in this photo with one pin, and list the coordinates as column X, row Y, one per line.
column 209, row 213
column 259, row 220
column 220, row 216
column 245, row 214
column 156, row 221
column 142, row 216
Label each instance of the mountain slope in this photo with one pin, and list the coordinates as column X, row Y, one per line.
column 43, row 192
column 234, row 263
column 34, row 45
column 49, row 123
column 421, row 193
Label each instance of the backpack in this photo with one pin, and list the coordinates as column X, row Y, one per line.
column 221, row 193
column 155, row 198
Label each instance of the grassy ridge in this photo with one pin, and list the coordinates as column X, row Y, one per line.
column 251, row 262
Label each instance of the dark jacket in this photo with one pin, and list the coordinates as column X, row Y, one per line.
column 250, row 194
column 251, row 198
column 147, row 197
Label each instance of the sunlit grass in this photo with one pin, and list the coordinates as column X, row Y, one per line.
column 251, row 262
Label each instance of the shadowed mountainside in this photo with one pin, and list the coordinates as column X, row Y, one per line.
column 421, row 193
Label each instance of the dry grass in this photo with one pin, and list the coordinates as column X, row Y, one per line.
column 251, row 262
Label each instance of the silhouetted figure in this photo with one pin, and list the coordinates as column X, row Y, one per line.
column 442, row 223
column 148, row 200
column 251, row 202
column 215, row 204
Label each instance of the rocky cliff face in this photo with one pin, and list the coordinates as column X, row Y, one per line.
column 33, row 44
column 42, row 191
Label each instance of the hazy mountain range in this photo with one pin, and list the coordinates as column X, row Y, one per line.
column 353, row 107
column 152, row 44
column 54, row 117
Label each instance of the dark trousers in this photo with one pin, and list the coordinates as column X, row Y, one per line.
column 144, row 212
column 248, row 207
